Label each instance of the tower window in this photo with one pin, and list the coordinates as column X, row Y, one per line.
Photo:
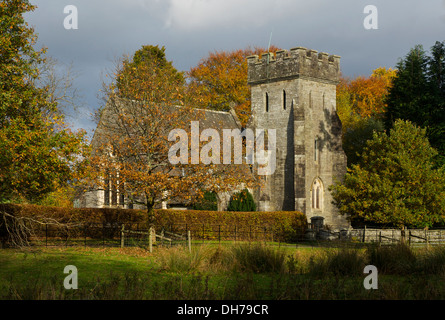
column 267, row 102
column 316, row 147
column 284, row 99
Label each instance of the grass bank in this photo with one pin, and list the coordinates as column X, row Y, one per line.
column 235, row 272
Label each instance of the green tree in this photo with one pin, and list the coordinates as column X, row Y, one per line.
column 355, row 138
column 242, row 201
column 208, row 202
column 38, row 153
column 418, row 93
column 149, row 76
column 395, row 183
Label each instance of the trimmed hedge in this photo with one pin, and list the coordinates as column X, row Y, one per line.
column 286, row 225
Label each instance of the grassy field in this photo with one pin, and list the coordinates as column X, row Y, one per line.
column 230, row 272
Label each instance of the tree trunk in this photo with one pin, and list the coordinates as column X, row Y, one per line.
column 150, row 212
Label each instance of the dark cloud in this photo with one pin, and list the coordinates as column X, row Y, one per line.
column 190, row 29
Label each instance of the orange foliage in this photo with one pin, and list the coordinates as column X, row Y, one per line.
column 134, row 147
column 367, row 94
column 220, row 82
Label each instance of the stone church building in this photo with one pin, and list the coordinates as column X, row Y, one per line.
column 293, row 92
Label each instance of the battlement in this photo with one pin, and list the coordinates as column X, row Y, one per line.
column 299, row 62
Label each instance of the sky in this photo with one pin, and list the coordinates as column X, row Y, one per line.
column 191, row 29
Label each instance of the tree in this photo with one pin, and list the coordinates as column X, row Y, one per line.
column 38, row 153
column 361, row 106
column 395, row 182
column 219, row 82
column 242, row 201
column 132, row 154
column 145, row 72
column 208, row 202
column 355, row 138
column 418, row 94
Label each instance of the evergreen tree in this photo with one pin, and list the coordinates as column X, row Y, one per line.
column 418, row 94
column 242, row 201
column 208, row 202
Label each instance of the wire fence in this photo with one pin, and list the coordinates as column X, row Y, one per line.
column 131, row 235
column 107, row 235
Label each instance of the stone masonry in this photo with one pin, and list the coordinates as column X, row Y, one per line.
column 294, row 92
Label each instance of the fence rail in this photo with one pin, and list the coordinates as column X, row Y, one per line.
column 133, row 234
column 117, row 235
column 410, row 236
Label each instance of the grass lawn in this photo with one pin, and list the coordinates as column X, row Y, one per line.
column 220, row 273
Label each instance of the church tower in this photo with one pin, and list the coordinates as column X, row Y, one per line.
column 294, row 92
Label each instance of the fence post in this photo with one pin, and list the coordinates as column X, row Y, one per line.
column 426, row 238
column 403, row 235
column 189, row 240
column 123, row 236
column 409, row 239
column 380, row 238
column 150, row 239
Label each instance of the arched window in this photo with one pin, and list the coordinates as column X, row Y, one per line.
column 317, row 194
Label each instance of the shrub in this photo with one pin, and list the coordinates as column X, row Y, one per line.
column 432, row 261
column 258, row 258
column 208, row 202
column 179, row 259
column 242, row 201
column 392, row 259
column 341, row 262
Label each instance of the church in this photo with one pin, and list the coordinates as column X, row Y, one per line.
column 294, row 93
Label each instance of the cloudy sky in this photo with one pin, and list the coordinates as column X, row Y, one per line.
column 190, row 29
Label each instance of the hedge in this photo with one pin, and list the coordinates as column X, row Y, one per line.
column 287, row 225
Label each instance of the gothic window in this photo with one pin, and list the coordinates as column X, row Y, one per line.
column 317, row 194
column 114, row 196
column 121, row 194
column 107, row 191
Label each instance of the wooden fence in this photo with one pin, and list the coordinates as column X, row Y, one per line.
column 120, row 235
column 387, row 236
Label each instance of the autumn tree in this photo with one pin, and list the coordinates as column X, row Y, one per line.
column 361, row 106
column 219, row 82
column 395, row 183
column 144, row 111
column 38, row 152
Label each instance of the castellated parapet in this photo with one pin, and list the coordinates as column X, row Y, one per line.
column 299, row 62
